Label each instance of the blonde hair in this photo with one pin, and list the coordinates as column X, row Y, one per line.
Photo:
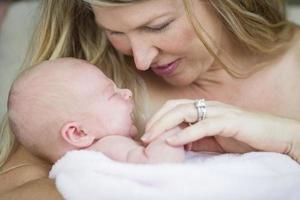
column 7, row 140
column 67, row 29
column 259, row 26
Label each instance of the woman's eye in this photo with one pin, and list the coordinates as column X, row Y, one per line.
column 114, row 33
column 158, row 28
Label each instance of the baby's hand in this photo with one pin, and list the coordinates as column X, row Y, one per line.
column 159, row 151
column 133, row 132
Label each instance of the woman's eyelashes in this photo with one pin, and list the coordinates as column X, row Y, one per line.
column 114, row 33
column 154, row 28
column 158, row 28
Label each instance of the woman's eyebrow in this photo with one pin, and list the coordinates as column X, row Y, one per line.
column 140, row 25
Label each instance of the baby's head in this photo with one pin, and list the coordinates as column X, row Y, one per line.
column 66, row 104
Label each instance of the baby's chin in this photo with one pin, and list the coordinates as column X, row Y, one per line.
column 126, row 128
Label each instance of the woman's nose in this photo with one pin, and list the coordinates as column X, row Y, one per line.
column 125, row 93
column 144, row 53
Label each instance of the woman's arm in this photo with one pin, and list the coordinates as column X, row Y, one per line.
column 261, row 131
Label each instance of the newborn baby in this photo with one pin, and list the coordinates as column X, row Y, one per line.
column 69, row 104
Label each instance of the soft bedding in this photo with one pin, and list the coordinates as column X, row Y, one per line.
column 91, row 175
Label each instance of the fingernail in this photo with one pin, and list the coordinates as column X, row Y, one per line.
column 146, row 128
column 145, row 137
column 171, row 140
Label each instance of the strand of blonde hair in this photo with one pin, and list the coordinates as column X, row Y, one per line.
column 7, row 140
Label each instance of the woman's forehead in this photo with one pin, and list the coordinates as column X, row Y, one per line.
column 133, row 15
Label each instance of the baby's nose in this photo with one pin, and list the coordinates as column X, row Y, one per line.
column 126, row 93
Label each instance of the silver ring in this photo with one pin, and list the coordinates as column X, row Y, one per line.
column 200, row 106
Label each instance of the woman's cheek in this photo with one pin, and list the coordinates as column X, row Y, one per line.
column 121, row 44
column 184, row 37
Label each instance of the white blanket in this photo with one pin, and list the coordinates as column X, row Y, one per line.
column 82, row 175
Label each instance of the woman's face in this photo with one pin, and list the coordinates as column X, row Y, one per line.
column 159, row 36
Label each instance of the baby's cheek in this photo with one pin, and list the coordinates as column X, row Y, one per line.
column 122, row 127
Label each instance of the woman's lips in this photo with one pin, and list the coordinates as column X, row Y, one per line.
column 166, row 70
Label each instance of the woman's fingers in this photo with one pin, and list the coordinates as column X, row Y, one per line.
column 174, row 117
column 169, row 105
column 205, row 128
column 175, row 114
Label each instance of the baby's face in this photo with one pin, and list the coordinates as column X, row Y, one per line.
column 109, row 107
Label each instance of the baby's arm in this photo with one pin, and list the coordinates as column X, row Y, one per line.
column 118, row 148
column 125, row 149
column 159, row 151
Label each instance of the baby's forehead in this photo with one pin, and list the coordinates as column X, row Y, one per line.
column 66, row 73
column 73, row 69
column 79, row 74
column 69, row 65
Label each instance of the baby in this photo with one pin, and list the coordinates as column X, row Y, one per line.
column 69, row 104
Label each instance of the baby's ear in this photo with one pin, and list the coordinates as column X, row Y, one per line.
column 72, row 134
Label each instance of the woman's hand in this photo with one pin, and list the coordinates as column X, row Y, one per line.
column 260, row 131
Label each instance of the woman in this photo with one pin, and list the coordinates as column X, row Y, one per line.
column 241, row 56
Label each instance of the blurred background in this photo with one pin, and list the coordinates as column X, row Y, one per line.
column 294, row 2
column 17, row 21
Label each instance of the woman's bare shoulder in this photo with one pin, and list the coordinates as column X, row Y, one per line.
column 21, row 168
